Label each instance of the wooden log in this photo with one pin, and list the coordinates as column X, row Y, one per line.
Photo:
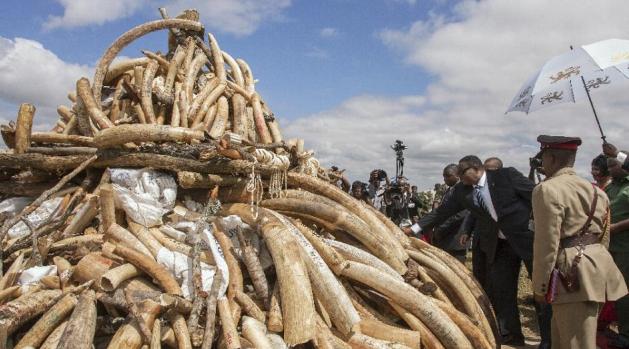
column 48, row 322
column 51, row 137
column 23, row 128
column 194, row 180
column 235, row 274
column 123, row 134
column 43, row 197
column 63, row 150
column 210, row 315
column 128, row 159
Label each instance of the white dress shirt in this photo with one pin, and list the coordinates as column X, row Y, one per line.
column 484, row 191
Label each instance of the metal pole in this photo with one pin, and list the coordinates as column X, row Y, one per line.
column 587, row 91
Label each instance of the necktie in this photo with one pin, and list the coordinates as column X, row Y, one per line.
column 479, row 201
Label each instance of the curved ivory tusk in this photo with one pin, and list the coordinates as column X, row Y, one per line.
column 128, row 37
column 146, row 91
column 409, row 298
column 354, row 206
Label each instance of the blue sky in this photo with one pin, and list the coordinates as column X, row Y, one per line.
column 348, row 76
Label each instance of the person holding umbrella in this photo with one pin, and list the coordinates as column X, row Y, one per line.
column 572, row 270
column 618, row 193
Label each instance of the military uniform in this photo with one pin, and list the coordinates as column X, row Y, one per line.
column 561, row 205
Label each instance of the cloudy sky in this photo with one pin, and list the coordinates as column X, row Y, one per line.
column 350, row 76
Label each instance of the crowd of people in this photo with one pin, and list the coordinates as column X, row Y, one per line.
column 572, row 236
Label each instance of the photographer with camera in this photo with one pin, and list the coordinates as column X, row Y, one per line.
column 378, row 183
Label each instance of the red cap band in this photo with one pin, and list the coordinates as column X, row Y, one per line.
column 565, row 146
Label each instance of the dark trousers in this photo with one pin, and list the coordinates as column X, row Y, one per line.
column 504, row 275
column 460, row 255
column 622, row 305
column 480, row 266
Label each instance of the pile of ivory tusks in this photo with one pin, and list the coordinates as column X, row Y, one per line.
column 194, row 88
column 341, row 274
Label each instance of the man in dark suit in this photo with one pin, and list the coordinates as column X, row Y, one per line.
column 500, row 200
column 447, row 235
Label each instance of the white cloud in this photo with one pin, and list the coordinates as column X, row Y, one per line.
column 30, row 73
column 317, row 52
column 241, row 17
column 236, row 17
column 410, row 2
column 479, row 59
column 328, row 32
column 78, row 13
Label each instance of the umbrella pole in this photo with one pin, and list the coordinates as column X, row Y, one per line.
column 587, row 91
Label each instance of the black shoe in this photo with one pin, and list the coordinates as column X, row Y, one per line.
column 513, row 340
column 543, row 345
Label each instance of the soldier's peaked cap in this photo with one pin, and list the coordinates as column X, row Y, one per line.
column 559, row 142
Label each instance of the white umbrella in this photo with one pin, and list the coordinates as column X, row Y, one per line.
column 571, row 77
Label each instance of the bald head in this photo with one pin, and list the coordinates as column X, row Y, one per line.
column 492, row 163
